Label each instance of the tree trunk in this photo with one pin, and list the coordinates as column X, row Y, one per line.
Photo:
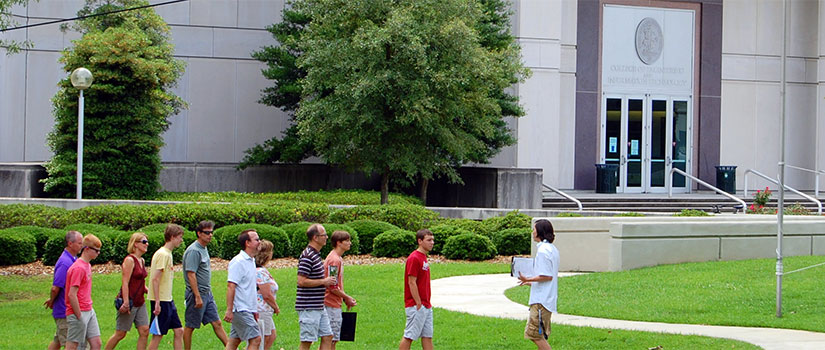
column 423, row 194
column 385, row 187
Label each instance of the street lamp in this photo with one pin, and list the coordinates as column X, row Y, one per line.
column 81, row 80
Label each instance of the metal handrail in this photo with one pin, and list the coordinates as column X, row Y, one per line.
column 816, row 177
column 563, row 194
column 694, row 178
column 812, row 199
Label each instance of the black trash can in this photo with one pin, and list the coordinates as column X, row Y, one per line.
column 726, row 178
column 607, row 178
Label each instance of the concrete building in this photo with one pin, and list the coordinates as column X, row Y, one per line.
column 646, row 84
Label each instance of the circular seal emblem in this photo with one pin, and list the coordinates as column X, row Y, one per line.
column 649, row 40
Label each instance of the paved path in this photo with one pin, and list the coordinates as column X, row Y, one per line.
column 484, row 295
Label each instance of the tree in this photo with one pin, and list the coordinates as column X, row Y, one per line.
column 6, row 21
column 493, row 29
column 402, row 87
column 130, row 56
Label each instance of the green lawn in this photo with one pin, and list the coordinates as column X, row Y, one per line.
column 735, row 293
column 378, row 289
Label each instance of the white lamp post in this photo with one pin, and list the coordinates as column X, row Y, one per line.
column 81, row 80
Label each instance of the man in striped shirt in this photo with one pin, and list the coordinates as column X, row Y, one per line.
column 309, row 299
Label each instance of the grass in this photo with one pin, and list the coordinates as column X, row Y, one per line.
column 351, row 197
column 379, row 291
column 729, row 293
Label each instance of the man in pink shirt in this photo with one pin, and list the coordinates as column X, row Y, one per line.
column 335, row 296
column 80, row 315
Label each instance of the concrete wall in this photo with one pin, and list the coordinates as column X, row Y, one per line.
column 546, row 31
column 622, row 243
column 751, row 104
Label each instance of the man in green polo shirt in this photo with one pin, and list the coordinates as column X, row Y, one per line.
column 200, row 304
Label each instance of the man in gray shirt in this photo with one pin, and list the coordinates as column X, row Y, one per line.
column 200, row 304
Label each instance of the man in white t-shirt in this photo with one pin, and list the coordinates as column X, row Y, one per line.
column 543, row 286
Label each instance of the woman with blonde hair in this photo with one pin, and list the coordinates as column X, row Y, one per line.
column 267, row 289
column 132, row 291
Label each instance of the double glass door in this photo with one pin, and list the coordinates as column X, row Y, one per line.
column 647, row 136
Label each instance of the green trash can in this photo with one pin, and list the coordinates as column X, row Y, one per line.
column 726, row 178
column 607, row 178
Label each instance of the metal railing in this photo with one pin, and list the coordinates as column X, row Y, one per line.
column 694, row 178
column 816, row 177
column 812, row 199
column 563, row 194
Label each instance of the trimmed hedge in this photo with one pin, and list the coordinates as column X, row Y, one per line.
column 367, row 231
column 19, row 247
column 298, row 237
column 469, row 246
column 41, row 236
column 513, row 241
column 131, row 217
column 405, row 216
column 12, row 215
column 346, row 197
column 394, row 244
column 226, row 238
column 470, row 225
column 441, row 233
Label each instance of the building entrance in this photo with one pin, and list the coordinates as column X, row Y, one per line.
column 647, row 136
column 647, row 95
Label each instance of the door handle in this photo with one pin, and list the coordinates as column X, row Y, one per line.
column 624, row 160
column 668, row 161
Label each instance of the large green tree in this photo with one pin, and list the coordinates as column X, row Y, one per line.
column 127, row 106
column 401, row 87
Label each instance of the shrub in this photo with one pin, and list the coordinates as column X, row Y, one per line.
column 367, row 231
column 394, row 243
column 513, row 219
column 797, row 209
column 569, row 215
column 300, row 241
column 18, row 247
column 295, row 231
column 405, row 216
column 226, row 238
column 12, row 215
column 441, row 233
column 177, row 254
column 41, row 236
column 106, row 234
column 469, row 246
column 470, row 225
column 691, row 212
column 513, row 241
column 630, row 213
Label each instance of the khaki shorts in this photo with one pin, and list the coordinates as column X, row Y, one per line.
column 83, row 328
column 62, row 330
column 538, row 324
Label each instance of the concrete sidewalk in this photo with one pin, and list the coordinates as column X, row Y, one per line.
column 484, row 295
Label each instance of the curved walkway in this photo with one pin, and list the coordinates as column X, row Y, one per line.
column 484, row 295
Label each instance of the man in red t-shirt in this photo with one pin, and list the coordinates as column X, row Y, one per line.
column 417, row 294
column 79, row 312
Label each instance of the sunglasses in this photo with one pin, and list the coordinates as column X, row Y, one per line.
column 144, row 241
column 207, row 232
column 95, row 249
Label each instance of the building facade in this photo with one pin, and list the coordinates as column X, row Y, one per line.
column 647, row 85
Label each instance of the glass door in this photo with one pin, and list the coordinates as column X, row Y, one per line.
column 646, row 136
column 632, row 165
